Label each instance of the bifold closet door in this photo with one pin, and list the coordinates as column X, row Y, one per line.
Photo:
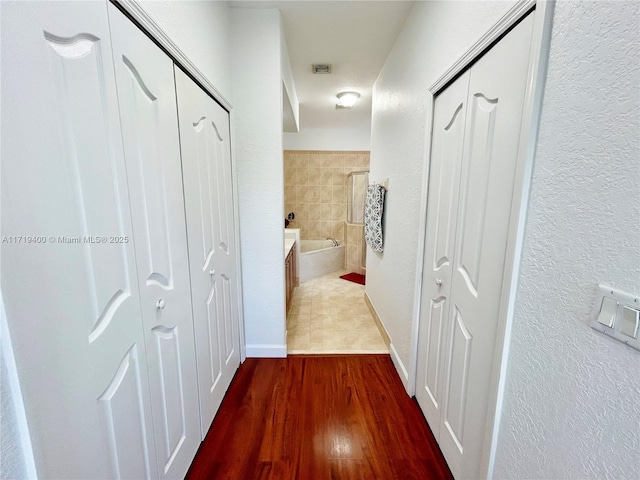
column 449, row 119
column 148, row 111
column 68, row 262
column 465, row 258
column 206, row 164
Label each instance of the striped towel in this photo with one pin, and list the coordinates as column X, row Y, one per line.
column 373, row 217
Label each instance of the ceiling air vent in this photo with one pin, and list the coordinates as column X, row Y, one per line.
column 321, row 68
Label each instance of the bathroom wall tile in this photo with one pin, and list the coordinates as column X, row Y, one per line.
column 325, row 195
column 312, row 195
column 302, row 211
column 314, row 212
column 316, row 178
column 337, row 161
column 338, row 212
column 299, row 161
column 302, row 176
column 338, row 194
column 352, row 254
column 315, row 174
column 325, row 211
column 300, row 193
column 290, row 194
column 323, row 229
column 314, row 230
column 289, row 176
column 324, row 161
column 337, row 230
column 326, row 176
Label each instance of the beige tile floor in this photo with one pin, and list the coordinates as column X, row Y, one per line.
column 329, row 315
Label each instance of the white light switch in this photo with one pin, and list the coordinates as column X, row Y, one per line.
column 617, row 315
column 607, row 313
column 630, row 320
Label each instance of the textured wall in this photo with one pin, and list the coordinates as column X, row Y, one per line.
column 315, row 190
column 257, row 134
column 328, row 139
column 572, row 402
column 201, row 31
column 436, row 35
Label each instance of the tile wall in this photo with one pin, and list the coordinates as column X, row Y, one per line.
column 355, row 245
column 315, row 190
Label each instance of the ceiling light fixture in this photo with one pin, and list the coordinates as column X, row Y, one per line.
column 347, row 99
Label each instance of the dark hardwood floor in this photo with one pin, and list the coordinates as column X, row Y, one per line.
column 319, row 417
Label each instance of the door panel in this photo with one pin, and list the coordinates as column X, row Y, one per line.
column 146, row 94
column 450, row 111
column 470, row 273
column 496, row 98
column 206, row 161
column 120, row 404
column 72, row 309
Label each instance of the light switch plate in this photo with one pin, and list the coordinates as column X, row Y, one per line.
column 623, row 300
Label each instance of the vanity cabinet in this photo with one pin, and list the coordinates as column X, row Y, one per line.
column 290, row 273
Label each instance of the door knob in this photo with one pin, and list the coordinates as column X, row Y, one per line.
column 439, row 282
column 212, row 272
column 160, row 304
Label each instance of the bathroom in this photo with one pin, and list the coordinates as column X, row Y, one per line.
column 324, row 202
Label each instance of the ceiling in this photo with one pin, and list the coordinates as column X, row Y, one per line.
column 355, row 37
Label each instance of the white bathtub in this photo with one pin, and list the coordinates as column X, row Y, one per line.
column 319, row 257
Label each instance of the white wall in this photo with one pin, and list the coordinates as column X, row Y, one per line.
column 329, row 139
column 291, row 104
column 257, row 137
column 201, row 30
column 16, row 453
column 572, row 402
column 435, row 35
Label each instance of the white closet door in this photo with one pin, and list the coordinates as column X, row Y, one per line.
column 71, row 298
column 450, row 113
column 206, row 163
column 494, row 104
column 148, row 111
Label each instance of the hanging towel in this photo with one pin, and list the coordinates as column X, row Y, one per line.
column 373, row 217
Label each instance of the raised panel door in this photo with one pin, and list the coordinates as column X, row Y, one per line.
column 475, row 143
column 495, row 100
column 206, row 163
column 450, row 112
column 148, row 111
column 70, row 292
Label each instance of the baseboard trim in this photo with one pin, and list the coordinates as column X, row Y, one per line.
column 376, row 318
column 266, row 351
column 402, row 371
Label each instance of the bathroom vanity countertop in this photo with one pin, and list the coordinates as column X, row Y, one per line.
column 288, row 245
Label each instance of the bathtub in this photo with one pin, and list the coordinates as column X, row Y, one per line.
column 319, row 257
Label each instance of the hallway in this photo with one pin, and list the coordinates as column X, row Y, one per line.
column 313, row 417
column 329, row 315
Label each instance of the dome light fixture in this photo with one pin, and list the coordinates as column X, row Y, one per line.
column 347, row 99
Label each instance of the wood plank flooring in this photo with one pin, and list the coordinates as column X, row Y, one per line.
column 319, row 417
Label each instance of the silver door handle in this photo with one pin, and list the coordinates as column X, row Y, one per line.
column 439, row 282
column 160, row 304
column 212, row 272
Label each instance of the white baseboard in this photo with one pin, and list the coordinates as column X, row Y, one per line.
column 378, row 320
column 266, row 351
column 400, row 368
